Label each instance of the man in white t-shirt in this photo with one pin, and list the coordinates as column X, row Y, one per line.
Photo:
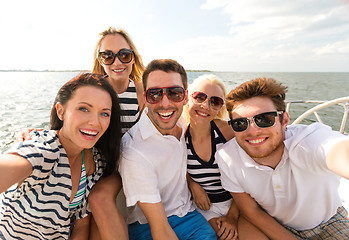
column 283, row 178
column 153, row 162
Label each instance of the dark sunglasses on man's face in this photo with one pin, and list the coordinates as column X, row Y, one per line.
column 262, row 120
column 215, row 102
column 174, row 94
column 108, row 57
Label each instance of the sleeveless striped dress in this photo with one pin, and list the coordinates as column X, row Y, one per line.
column 129, row 107
column 207, row 173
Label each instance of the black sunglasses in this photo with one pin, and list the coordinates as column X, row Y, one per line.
column 175, row 94
column 108, row 57
column 215, row 102
column 262, row 120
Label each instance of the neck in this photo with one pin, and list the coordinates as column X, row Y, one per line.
column 119, row 86
column 73, row 152
column 273, row 159
column 200, row 130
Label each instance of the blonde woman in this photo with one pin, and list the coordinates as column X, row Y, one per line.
column 116, row 57
column 207, row 131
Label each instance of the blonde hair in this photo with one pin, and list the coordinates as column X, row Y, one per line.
column 137, row 68
column 222, row 114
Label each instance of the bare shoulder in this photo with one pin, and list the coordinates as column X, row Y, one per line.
column 140, row 91
column 225, row 129
column 89, row 162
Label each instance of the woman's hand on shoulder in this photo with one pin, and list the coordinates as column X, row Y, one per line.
column 24, row 134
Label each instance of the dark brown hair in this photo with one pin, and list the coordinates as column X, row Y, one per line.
column 166, row 65
column 109, row 142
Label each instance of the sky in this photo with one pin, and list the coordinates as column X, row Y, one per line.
column 216, row 35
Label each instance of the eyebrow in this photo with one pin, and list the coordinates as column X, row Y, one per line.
column 92, row 105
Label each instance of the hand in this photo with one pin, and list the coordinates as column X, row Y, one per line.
column 200, row 197
column 24, row 134
column 227, row 228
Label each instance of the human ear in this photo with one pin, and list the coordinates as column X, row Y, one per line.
column 285, row 119
column 59, row 110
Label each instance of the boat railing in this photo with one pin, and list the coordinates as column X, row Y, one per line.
column 343, row 101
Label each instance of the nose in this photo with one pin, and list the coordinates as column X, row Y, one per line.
column 93, row 119
column 165, row 101
column 252, row 126
column 205, row 104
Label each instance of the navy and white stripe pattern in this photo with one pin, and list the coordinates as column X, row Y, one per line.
column 39, row 207
column 129, row 107
column 207, row 173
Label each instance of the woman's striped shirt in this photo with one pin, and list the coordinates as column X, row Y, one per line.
column 207, row 173
column 39, row 207
column 129, row 107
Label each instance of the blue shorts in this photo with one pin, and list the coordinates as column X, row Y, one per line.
column 191, row 226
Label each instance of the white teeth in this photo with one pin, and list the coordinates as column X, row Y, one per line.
column 256, row 141
column 202, row 114
column 166, row 114
column 89, row 132
column 118, row 70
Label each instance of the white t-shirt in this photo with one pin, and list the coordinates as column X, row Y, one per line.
column 301, row 192
column 153, row 169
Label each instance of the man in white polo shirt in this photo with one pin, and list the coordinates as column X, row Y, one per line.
column 283, row 178
column 153, row 163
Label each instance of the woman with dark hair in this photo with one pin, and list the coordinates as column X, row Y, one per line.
column 52, row 174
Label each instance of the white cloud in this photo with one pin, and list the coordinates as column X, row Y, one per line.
column 268, row 34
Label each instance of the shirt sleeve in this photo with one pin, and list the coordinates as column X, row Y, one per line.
column 314, row 144
column 139, row 178
column 228, row 169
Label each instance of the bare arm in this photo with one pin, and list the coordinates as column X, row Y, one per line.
column 140, row 91
column 337, row 159
column 81, row 229
column 13, row 169
column 200, row 196
column 225, row 129
column 258, row 217
column 156, row 216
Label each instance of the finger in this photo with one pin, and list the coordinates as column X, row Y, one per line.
column 224, row 234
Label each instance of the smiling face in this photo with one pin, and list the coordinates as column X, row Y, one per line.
column 165, row 113
column 203, row 112
column 86, row 116
column 118, row 72
column 264, row 145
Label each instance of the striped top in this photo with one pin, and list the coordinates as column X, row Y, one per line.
column 207, row 173
column 39, row 207
column 82, row 187
column 129, row 107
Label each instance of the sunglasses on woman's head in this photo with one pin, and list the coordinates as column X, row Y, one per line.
column 108, row 57
column 174, row 94
column 262, row 120
column 215, row 102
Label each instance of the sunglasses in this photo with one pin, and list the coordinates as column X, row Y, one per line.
column 215, row 102
column 263, row 120
column 174, row 94
column 108, row 57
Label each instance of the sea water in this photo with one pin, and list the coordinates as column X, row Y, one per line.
column 26, row 97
